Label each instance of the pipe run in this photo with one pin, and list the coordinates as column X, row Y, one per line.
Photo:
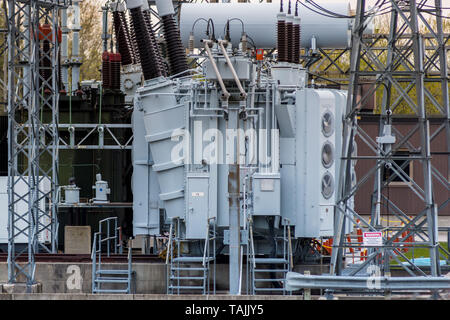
column 233, row 71
column 297, row 281
column 225, row 93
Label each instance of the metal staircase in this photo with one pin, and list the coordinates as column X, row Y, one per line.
column 189, row 274
column 110, row 280
column 268, row 275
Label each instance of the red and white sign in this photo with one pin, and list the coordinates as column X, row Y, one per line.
column 372, row 239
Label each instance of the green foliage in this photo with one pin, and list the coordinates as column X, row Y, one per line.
column 91, row 39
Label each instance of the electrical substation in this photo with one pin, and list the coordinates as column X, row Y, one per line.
column 292, row 147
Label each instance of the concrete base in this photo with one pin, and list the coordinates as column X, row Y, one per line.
column 77, row 239
column 21, row 288
column 222, row 297
column 57, row 296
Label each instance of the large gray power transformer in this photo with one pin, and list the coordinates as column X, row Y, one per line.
column 238, row 143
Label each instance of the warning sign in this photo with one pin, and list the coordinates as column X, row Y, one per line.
column 372, row 239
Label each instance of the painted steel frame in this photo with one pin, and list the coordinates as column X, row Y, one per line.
column 411, row 64
column 29, row 138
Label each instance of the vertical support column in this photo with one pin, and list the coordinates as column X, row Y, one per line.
column 418, row 50
column 32, row 207
column 234, row 205
column 19, row 58
column 443, row 64
column 348, row 137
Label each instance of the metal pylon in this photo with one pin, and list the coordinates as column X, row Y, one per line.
column 32, row 132
column 402, row 75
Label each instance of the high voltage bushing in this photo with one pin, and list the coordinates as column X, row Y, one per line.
column 296, row 40
column 289, row 35
column 133, row 44
column 115, row 59
column 106, row 70
column 156, row 48
column 121, row 36
column 175, row 49
column 289, row 39
column 147, row 53
column 281, row 35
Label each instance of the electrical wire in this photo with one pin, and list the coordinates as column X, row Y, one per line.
column 226, row 27
column 330, row 14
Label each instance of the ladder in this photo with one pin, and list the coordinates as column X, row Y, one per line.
column 110, row 280
column 190, row 274
column 268, row 275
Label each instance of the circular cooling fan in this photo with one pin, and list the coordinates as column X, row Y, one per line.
column 327, row 123
column 327, row 185
column 327, row 154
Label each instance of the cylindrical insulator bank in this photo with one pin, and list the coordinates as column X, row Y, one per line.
column 106, row 70
column 134, row 46
column 123, row 42
column 296, row 40
column 115, row 59
column 154, row 43
column 175, row 49
column 289, row 38
column 281, row 37
column 150, row 69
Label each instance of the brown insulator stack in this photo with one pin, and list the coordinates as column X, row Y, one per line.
column 154, row 42
column 123, row 43
column 281, row 35
column 296, row 40
column 289, row 35
column 281, row 41
column 133, row 45
column 147, row 53
column 290, row 44
column 106, row 70
column 175, row 50
column 115, row 59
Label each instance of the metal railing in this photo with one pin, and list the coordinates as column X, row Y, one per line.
column 287, row 254
column 109, row 236
column 177, row 263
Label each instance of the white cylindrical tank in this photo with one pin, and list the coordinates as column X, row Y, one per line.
column 71, row 194
column 260, row 21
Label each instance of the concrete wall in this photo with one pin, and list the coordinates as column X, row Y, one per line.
column 77, row 277
column 150, row 277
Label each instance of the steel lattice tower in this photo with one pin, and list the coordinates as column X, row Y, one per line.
column 32, row 139
column 409, row 64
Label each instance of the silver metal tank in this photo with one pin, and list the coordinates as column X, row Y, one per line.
column 260, row 23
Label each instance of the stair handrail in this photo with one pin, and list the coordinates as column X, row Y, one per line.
column 96, row 252
column 206, row 249
column 129, row 257
column 252, row 245
column 291, row 258
column 169, row 244
column 116, row 237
